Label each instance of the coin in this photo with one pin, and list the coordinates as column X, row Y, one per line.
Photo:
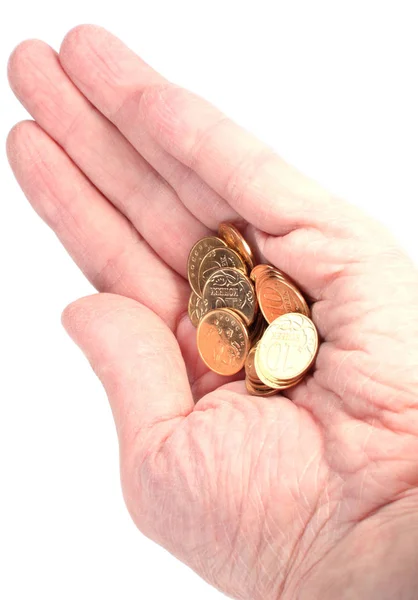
column 286, row 350
column 231, row 235
column 250, row 371
column 277, row 296
column 259, row 390
column 216, row 259
column 274, row 383
column 197, row 308
column 253, row 383
column 231, row 288
column 197, row 254
column 259, row 270
column 222, row 341
column 223, row 303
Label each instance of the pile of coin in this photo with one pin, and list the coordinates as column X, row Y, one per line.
column 248, row 315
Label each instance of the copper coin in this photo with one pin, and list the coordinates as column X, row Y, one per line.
column 259, row 275
column 231, row 235
column 259, row 390
column 254, row 385
column 197, row 308
column 287, row 349
column 259, row 270
column 197, row 254
column 231, row 288
column 222, row 341
column 250, row 371
column 219, row 258
column 276, row 297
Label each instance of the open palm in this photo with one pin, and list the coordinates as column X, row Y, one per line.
column 293, row 496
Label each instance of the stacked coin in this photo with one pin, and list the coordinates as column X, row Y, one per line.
column 248, row 315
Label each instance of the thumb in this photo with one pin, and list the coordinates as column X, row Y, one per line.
column 137, row 359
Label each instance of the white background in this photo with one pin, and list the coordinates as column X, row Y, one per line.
column 332, row 85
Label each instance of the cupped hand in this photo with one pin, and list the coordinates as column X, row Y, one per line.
column 308, row 494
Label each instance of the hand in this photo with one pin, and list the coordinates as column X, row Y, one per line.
column 308, row 494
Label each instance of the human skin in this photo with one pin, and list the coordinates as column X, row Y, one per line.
column 310, row 494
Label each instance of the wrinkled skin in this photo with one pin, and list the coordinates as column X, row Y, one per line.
column 309, row 494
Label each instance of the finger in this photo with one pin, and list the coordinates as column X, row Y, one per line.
column 138, row 361
column 256, row 182
column 300, row 227
column 103, row 154
column 102, row 241
column 114, row 78
column 228, row 159
column 260, row 186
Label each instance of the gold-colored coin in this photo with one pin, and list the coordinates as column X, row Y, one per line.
column 231, row 235
column 231, row 288
column 222, row 341
column 197, row 254
column 287, row 350
column 219, row 258
column 197, row 308
column 278, row 296
column 276, row 384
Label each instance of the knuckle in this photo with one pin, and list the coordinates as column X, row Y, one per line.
column 243, row 178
